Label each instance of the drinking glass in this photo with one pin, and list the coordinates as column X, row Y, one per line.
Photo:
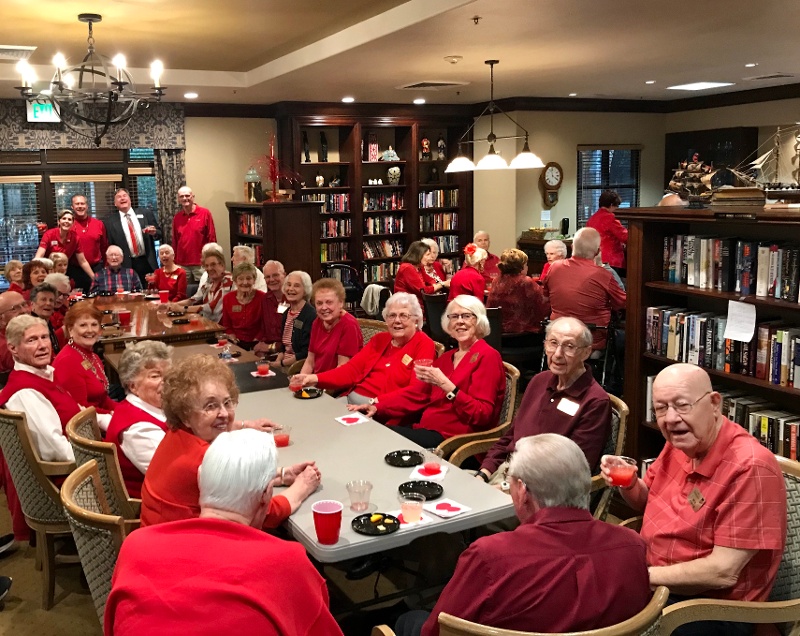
column 359, row 491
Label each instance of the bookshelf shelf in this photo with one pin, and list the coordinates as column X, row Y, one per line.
column 687, row 290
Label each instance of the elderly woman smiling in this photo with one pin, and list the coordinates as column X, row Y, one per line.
column 139, row 423
column 208, row 298
column 461, row 393
column 386, row 363
column 199, row 400
column 169, row 277
column 297, row 319
column 243, row 308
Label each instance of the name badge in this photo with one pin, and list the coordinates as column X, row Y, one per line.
column 140, row 216
column 86, row 365
column 282, row 308
column 568, row 406
column 53, row 243
column 696, row 499
column 237, row 309
column 407, row 359
column 298, row 324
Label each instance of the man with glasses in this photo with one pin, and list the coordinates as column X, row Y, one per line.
column 714, row 501
column 12, row 304
column 114, row 276
column 560, row 570
column 61, row 284
column 565, row 399
column 43, row 305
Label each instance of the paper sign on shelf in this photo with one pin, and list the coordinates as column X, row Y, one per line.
column 741, row 321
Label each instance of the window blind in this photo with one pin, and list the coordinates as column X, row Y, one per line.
column 606, row 168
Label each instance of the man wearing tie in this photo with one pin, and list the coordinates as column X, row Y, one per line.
column 135, row 233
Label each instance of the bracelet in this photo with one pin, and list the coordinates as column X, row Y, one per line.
column 483, row 476
column 242, row 425
column 283, row 474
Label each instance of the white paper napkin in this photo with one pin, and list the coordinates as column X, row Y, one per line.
column 404, row 524
column 256, row 374
column 445, row 508
column 416, row 474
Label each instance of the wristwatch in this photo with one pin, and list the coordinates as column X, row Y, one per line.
column 452, row 395
column 373, row 401
column 483, row 476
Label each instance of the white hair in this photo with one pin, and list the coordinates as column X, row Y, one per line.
column 55, row 279
column 586, row 243
column 247, row 253
column 236, row 470
column 167, row 248
column 476, row 257
column 304, row 278
column 431, row 243
column 407, row 300
column 211, row 247
column 18, row 325
column 555, row 244
column 474, row 305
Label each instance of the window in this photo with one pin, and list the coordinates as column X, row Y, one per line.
column 19, row 211
column 606, row 168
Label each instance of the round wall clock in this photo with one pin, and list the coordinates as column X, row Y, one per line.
column 551, row 179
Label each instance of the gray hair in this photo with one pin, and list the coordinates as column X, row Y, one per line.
column 242, row 268
column 280, row 266
column 554, row 470
column 113, row 248
column 584, row 339
column 55, row 279
column 18, row 325
column 476, row 257
column 474, row 305
column 586, row 243
column 555, row 244
column 304, row 278
column 247, row 252
column 478, row 233
column 236, row 470
column 431, row 243
column 404, row 299
column 47, row 263
column 211, row 247
column 167, row 248
column 139, row 356
column 43, row 288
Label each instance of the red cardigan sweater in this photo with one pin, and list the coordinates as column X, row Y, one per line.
column 467, row 280
column 80, row 382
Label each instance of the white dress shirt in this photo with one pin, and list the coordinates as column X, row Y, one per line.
column 137, row 227
column 140, row 440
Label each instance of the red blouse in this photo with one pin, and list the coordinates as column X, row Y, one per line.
column 523, row 303
column 244, row 321
column 429, row 280
column 80, row 372
column 174, row 283
column 467, row 280
column 51, row 242
column 613, row 236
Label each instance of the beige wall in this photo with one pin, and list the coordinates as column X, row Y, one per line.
column 219, row 152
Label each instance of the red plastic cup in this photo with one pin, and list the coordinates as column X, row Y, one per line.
column 327, row 520
column 262, row 368
column 222, row 342
column 120, row 290
column 163, row 295
column 622, row 471
column 124, row 317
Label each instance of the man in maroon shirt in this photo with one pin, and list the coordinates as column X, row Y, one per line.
column 490, row 270
column 274, row 306
column 560, row 570
column 192, row 227
column 92, row 239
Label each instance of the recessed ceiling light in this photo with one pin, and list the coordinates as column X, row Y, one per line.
column 573, row 94
column 190, row 95
column 348, row 100
column 699, row 86
column 751, row 64
column 650, row 82
column 419, row 100
column 453, row 59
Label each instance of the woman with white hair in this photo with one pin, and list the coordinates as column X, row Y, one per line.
column 169, row 277
column 246, row 254
column 469, row 279
column 462, row 392
column 296, row 319
column 554, row 250
column 386, row 363
column 431, row 269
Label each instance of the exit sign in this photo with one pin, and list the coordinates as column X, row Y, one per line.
column 42, row 112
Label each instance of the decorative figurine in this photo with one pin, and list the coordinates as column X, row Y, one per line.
column 373, row 147
column 320, row 180
column 389, row 155
column 426, row 147
column 335, row 182
column 441, row 148
column 323, row 147
column 393, row 175
column 433, row 175
column 305, row 147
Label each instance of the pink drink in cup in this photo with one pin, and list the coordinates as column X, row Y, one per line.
column 432, row 462
column 262, row 368
column 281, row 436
column 295, row 384
column 411, row 506
column 423, row 362
column 163, row 295
column 124, row 317
column 622, row 470
column 222, row 342
column 327, row 520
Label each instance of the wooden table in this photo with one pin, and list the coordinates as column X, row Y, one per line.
column 344, row 453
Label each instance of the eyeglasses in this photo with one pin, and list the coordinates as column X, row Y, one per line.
column 63, row 295
column 466, row 317
column 567, row 348
column 681, row 408
column 213, row 408
column 402, row 317
column 18, row 307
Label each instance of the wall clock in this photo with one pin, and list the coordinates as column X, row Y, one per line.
column 550, row 180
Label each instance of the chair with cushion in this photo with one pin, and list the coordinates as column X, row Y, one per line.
column 38, row 495
column 84, row 436
column 371, row 327
column 98, row 534
column 645, row 623
column 784, row 601
column 452, row 444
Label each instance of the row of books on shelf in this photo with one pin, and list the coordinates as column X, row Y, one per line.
column 439, row 199
column 446, row 243
column 768, row 269
column 334, row 252
column 335, row 228
column 773, row 353
column 384, row 224
column 251, row 224
column 438, row 222
column 776, row 429
column 383, row 249
column 333, row 202
column 383, row 201
column 258, row 249
column 382, row 271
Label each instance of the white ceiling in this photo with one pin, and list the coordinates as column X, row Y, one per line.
column 266, row 51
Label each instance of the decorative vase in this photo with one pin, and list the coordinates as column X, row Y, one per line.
column 393, row 175
column 252, row 186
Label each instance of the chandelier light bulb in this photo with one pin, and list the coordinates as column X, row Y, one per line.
column 59, row 61
column 156, row 71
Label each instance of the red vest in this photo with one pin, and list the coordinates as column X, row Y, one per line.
column 63, row 402
column 126, row 414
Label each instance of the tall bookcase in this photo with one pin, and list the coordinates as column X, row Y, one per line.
column 367, row 221
column 647, row 228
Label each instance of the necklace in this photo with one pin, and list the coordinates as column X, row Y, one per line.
column 91, row 360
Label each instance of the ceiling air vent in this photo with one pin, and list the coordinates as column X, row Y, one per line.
column 770, row 76
column 430, row 85
column 10, row 53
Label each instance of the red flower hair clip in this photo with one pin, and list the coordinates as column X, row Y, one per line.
column 470, row 249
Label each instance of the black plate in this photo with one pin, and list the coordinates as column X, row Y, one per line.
column 363, row 525
column 430, row 489
column 313, row 392
column 108, row 311
column 180, row 321
column 175, row 314
column 398, row 458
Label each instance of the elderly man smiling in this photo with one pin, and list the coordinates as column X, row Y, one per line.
column 114, row 276
column 714, row 501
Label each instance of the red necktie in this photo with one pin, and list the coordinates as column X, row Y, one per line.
column 132, row 232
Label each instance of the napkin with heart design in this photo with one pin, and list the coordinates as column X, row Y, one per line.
column 405, row 524
column 353, row 418
column 419, row 472
column 256, row 374
column 445, row 508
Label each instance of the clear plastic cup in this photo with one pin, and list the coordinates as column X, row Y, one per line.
column 411, row 506
column 359, row 491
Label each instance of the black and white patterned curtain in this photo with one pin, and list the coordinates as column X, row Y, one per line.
column 170, row 166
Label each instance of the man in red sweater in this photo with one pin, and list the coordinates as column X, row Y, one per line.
column 192, row 227
column 219, row 573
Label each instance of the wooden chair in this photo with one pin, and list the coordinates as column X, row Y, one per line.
column 451, row 445
column 38, row 495
column 295, row 367
column 371, row 327
column 439, row 348
column 645, row 623
column 98, row 533
column 784, row 601
column 615, row 445
column 84, row 436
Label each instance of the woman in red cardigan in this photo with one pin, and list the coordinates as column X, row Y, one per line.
column 469, row 279
column 462, row 392
column 409, row 279
column 169, row 277
column 613, row 235
column 199, row 399
column 431, row 268
column 242, row 308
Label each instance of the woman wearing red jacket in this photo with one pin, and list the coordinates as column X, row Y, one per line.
column 613, row 235
column 409, row 279
column 469, row 279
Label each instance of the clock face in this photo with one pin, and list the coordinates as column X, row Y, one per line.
column 552, row 176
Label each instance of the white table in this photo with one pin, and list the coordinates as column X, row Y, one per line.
column 344, row 453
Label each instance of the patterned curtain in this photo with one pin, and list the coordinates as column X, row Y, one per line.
column 170, row 166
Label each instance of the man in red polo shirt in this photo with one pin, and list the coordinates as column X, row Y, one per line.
column 192, row 227
column 714, row 501
column 91, row 234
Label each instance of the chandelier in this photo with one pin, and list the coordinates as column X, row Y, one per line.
column 89, row 98
column 493, row 161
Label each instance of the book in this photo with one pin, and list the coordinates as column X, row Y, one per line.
column 690, row 259
column 762, row 271
column 747, row 275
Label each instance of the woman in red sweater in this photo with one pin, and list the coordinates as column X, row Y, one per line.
column 409, row 279
column 242, row 308
column 469, row 279
column 613, row 235
column 522, row 300
column 169, row 277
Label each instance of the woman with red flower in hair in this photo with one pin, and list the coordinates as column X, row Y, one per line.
column 469, row 279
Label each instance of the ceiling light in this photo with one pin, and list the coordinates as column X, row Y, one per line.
column 650, row 82
column 573, row 94
column 699, row 86
column 453, row 59
column 493, row 161
column 419, row 100
column 100, row 98
column 348, row 100
column 751, row 64
column 190, row 95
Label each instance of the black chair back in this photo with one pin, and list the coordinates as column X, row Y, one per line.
column 435, row 304
column 350, row 279
column 495, row 337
